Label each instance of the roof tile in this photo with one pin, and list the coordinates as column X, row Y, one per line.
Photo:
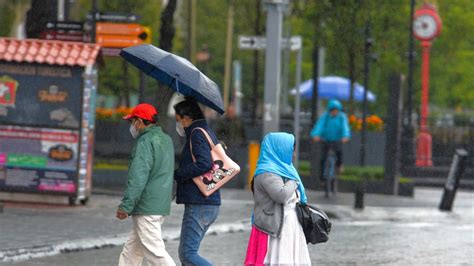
column 47, row 51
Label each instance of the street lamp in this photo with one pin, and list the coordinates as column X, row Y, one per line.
column 426, row 27
column 367, row 56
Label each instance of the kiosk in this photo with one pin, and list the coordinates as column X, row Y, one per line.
column 47, row 109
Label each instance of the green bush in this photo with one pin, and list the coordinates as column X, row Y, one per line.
column 304, row 168
column 372, row 173
column 110, row 164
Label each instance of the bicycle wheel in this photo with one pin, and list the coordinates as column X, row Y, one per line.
column 329, row 172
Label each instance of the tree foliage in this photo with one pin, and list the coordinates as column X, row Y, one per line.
column 341, row 31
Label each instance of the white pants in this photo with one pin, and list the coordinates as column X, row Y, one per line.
column 145, row 240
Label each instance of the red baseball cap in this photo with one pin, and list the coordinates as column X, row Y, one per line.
column 144, row 111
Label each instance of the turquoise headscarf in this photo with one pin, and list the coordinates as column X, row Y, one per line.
column 276, row 156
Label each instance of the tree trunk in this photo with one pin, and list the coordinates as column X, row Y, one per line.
column 167, row 30
column 167, row 33
column 41, row 12
column 352, row 78
column 126, row 83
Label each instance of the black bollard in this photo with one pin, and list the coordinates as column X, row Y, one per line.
column 1, row 207
column 452, row 182
column 359, row 199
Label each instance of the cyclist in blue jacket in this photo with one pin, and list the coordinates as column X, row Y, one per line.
column 332, row 129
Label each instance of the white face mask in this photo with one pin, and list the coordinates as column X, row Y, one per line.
column 134, row 131
column 180, row 129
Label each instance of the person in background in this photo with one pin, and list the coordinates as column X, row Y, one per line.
column 231, row 133
column 277, row 237
column 147, row 196
column 332, row 130
column 229, row 128
column 200, row 211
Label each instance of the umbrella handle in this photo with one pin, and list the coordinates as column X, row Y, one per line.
column 177, row 85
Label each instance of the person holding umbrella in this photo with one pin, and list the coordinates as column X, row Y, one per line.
column 183, row 77
column 147, row 196
column 200, row 211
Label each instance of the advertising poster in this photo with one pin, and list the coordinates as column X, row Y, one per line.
column 38, row 159
column 40, row 95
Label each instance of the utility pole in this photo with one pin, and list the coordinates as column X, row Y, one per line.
column 408, row 131
column 61, row 10
column 363, row 140
column 228, row 52
column 296, row 129
column 271, row 113
column 316, row 61
column 285, row 107
column 93, row 20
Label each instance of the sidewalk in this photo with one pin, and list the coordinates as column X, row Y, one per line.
column 29, row 231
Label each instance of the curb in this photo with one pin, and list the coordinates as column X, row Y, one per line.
column 26, row 253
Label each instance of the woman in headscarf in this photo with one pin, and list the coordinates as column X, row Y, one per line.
column 277, row 236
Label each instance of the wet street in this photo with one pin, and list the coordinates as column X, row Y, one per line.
column 375, row 236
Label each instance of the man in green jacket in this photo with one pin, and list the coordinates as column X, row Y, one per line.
column 147, row 197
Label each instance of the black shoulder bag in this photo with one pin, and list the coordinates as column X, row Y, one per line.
column 315, row 223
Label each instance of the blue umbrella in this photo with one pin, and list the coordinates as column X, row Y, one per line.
column 333, row 87
column 175, row 72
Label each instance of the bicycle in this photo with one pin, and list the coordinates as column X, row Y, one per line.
column 330, row 173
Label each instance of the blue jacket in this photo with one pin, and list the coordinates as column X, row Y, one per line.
column 332, row 128
column 187, row 192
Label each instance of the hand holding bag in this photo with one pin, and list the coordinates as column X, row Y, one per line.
column 315, row 223
column 223, row 168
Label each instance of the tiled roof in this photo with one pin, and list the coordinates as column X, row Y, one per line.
column 48, row 52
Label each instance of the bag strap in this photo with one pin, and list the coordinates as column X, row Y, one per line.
column 209, row 140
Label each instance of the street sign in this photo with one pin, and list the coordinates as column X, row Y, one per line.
column 252, row 42
column 118, row 28
column 117, row 41
column 295, row 43
column 121, row 35
column 65, row 25
column 113, row 17
column 260, row 43
column 71, row 36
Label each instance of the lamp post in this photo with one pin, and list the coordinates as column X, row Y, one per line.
column 426, row 27
column 408, row 130
column 271, row 111
column 367, row 56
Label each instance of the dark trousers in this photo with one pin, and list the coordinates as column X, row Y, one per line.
column 336, row 146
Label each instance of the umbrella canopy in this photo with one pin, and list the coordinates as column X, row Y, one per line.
column 333, row 87
column 175, row 72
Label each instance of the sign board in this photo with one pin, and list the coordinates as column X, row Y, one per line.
column 260, row 43
column 119, row 28
column 121, row 35
column 65, row 25
column 40, row 95
column 70, row 36
column 113, row 17
column 38, row 159
column 252, row 42
column 294, row 43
